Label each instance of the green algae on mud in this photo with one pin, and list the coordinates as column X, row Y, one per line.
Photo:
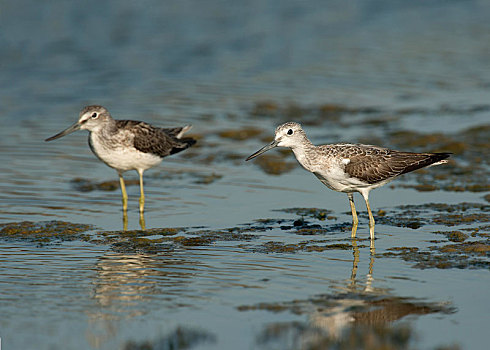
column 416, row 216
column 454, row 236
column 44, row 232
column 315, row 213
column 197, row 177
column 469, row 235
column 305, row 246
column 207, row 179
column 274, row 164
column 469, row 247
column 411, row 216
column 464, row 255
column 149, row 241
column 157, row 240
column 309, row 115
column 168, row 239
column 87, row 185
column 240, row 134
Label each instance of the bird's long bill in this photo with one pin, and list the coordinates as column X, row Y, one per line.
column 67, row 131
column 263, row 149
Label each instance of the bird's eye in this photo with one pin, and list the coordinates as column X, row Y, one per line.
column 95, row 115
column 290, row 131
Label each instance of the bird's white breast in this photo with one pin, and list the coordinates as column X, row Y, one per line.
column 122, row 157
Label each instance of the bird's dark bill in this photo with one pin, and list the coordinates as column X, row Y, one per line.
column 67, row 131
column 263, row 149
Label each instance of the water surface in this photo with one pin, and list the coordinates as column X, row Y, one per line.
column 230, row 259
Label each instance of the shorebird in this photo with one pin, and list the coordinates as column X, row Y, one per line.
column 127, row 144
column 349, row 168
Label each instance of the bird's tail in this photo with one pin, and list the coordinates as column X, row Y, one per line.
column 414, row 161
column 183, row 131
column 439, row 158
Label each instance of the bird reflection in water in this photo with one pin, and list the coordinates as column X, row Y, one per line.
column 359, row 313
column 126, row 286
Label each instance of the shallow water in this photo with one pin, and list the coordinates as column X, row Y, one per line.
column 229, row 259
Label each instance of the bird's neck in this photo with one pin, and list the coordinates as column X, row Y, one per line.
column 302, row 153
column 108, row 128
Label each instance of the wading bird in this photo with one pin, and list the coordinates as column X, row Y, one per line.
column 350, row 168
column 127, row 144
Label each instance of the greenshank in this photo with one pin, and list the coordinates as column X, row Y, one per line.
column 349, row 168
column 127, row 144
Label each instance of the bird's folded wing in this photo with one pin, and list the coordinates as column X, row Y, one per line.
column 374, row 168
column 157, row 141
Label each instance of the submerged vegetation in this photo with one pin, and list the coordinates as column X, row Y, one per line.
column 466, row 243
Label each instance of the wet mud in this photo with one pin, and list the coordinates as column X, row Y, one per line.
column 274, row 164
column 160, row 240
column 416, row 216
column 88, row 185
column 240, row 134
column 315, row 213
column 44, row 232
column 310, row 115
column 466, row 244
column 461, row 256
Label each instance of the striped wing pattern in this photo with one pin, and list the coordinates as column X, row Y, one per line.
column 157, row 141
column 373, row 164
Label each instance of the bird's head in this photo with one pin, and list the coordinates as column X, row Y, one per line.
column 91, row 118
column 289, row 134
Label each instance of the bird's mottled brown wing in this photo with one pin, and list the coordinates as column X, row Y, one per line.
column 158, row 141
column 373, row 165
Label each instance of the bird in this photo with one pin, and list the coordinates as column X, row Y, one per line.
column 127, row 144
column 350, row 167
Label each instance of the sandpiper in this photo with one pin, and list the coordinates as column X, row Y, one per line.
column 127, row 144
column 349, row 168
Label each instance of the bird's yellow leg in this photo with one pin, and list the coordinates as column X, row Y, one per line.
column 142, row 221
column 142, row 192
column 355, row 252
column 124, row 193
column 125, row 220
column 369, row 277
column 355, row 220
column 371, row 219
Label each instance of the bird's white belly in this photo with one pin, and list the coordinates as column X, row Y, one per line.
column 336, row 179
column 124, row 158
